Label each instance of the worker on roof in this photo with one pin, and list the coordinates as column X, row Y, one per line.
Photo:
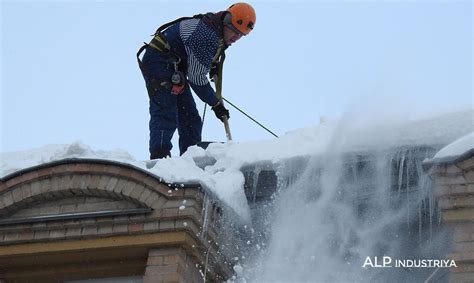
column 178, row 58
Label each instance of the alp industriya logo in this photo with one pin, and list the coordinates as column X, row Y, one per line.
column 387, row 261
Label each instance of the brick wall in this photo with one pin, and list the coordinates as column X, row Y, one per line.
column 454, row 189
column 171, row 264
column 79, row 186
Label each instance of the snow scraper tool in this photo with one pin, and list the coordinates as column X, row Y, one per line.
column 218, row 83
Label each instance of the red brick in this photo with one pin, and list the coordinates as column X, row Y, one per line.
column 104, row 179
column 82, row 167
column 7, row 198
column 27, row 235
column 172, row 278
column 151, row 226
column 64, row 183
column 121, row 184
column 145, row 194
column 137, row 176
column 191, row 226
column 39, row 225
column 112, row 169
column 469, row 175
column 76, row 181
column 167, row 225
column 43, row 172
column 125, row 172
column 73, row 232
column 70, row 167
column 41, row 234
column 22, row 178
column 111, row 185
column 463, row 268
column 127, row 190
column 161, row 269
column 120, row 228
column 93, row 182
column 45, row 187
column 60, row 169
column 89, row 231
column 12, row 237
column 151, row 279
column 193, row 193
column 466, row 164
column 97, row 168
column 165, row 251
column 135, row 227
column 155, row 260
column 17, row 195
column 189, row 211
column 171, row 259
column 105, row 229
column 137, row 191
column 150, row 182
column 169, row 212
column 3, row 187
column 179, row 193
column 173, row 203
column 151, row 200
column 57, row 233
column 26, row 191
column 163, row 189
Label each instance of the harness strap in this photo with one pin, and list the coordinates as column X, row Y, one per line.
column 160, row 44
column 164, row 26
column 155, row 84
column 220, row 50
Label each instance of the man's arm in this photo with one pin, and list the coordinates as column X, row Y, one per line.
column 201, row 44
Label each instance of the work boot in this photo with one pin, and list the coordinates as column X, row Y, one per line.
column 158, row 154
column 155, row 155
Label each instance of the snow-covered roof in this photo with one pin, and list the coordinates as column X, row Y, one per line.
column 224, row 177
column 459, row 149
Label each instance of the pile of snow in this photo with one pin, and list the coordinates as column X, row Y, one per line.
column 224, row 177
column 11, row 162
column 457, row 148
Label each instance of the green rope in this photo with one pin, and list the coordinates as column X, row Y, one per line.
column 241, row 111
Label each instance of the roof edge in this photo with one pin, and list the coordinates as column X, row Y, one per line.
column 98, row 161
column 448, row 160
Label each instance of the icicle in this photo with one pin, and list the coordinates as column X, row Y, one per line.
column 408, row 159
column 389, row 174
column 420, row 220
column 354, row 172
column 423, row 194
column 205, row 221
column 431, row 211
column 256, row 174
column 400, row 173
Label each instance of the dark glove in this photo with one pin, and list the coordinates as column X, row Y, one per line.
column 220, row 111
column 213, row 71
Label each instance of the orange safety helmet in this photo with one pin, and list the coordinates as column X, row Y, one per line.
column 242, row 17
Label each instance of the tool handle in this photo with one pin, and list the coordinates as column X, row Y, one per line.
column 225, row 120
column 218, row 83
column 227, row 129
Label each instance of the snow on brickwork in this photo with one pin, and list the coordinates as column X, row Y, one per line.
column 225, row 178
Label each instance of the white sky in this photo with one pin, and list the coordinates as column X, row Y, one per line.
column 69, row 70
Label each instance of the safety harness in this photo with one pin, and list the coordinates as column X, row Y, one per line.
column 177, row 83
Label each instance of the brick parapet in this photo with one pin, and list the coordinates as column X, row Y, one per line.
column 81, row 187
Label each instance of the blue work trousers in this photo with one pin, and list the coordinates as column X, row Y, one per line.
column 169, row 112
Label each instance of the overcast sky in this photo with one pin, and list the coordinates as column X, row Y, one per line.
column 69, row 70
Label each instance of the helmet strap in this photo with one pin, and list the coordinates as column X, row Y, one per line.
column 227, row 21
